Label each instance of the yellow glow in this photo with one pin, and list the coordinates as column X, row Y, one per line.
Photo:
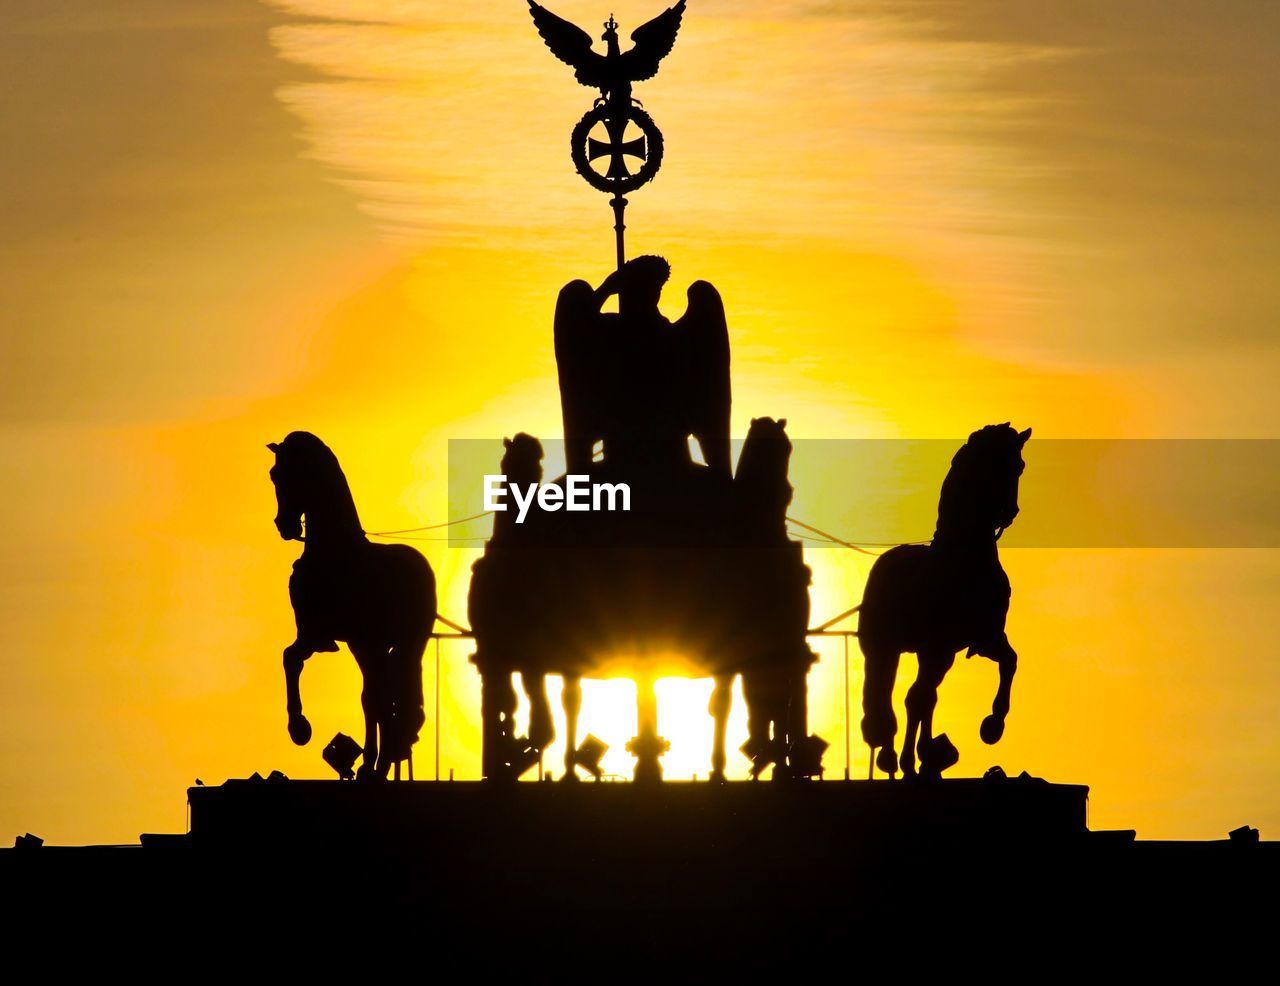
column 353, row 216
column 609, row 713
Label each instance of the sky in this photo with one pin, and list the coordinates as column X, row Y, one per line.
column 223, row 221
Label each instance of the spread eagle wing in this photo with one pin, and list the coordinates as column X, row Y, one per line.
column 653, row 42
column 704, row 332
column 572, row 45
column 577, row 324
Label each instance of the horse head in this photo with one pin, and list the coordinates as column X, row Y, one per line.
column 766, row 451
column 762, row 491
column 980, row 494
column 304, row 470
column 522, row 459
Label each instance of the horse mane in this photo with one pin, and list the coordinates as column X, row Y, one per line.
column 313, row 456
column 307, row 444
column 324, row 473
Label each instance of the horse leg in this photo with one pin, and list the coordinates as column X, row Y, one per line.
column 756, row 747
column 993, row 725
column 879, row 724
column 295, row 655
column 908, row 759
column 795, row 723
column 721, row 701
column 542, row 729
column 406, row 712
column 804, row 752
column 523, row 753
column 312, row 633
column 922, row 699
column 778, row 741
column 369, row 705
column 919, row 697
column 497, row 713
column 775, row 728
column 572, row 698
column 385, row 720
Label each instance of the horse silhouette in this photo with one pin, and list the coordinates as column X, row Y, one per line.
column 771, row 589
column 937, row 599
column 380, row 599
column 503, row 608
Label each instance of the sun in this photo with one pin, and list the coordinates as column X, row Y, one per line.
column 609, row 713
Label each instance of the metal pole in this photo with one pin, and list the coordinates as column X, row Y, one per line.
column 619, row 206
column 437, row 708
column 846, row 707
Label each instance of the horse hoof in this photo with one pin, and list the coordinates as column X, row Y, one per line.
column 299, row 729
column 939, row 755
column 991, row 730
column 806, row 757
column 887, row 761
column 570, row 776
column 717, row 777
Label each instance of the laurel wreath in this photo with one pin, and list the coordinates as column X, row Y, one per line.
column 618, row 186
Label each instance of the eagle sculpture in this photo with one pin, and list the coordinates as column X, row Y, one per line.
column 636, row 379
column 613, row 72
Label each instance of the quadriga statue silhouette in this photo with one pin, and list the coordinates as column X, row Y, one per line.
column 937, row 599
column 380, row 599
column 700, row 566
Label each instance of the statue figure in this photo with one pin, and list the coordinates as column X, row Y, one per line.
column 701, row 566
column 638, row 383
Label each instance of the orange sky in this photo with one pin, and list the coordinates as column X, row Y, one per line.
column 224, row 221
